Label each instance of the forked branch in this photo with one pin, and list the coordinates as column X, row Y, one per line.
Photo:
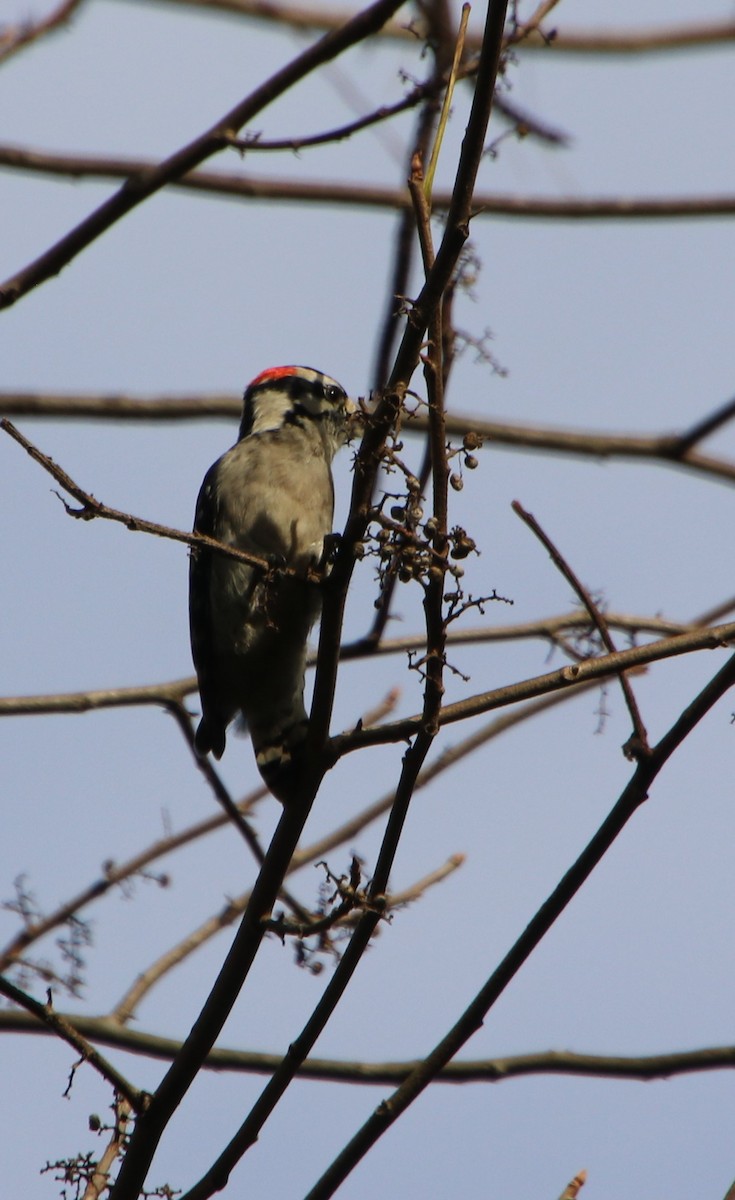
column 633, row 796
column 140, row 186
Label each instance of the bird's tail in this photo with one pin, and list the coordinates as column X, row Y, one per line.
column 279, row 753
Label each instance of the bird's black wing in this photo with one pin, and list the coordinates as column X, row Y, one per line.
column 211, row 734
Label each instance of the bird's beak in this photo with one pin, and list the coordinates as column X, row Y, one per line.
column 355, row 419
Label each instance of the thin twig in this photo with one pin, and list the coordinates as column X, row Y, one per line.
column 523, row 31
column 632, row 797
column 385, row 706
column 100, row 1180
column 17, row 37
column 440, row 28
column 341, row 835
column 382, row 419
column 142, row 185
column 417, row 889
column 446, row 105
column 355, row 901
column 91, row 508
column 59, row 1025
column 691, row 35
column 113, row 875
column 704, row 428
column 227, row 184
column 637, row 745
column 161, row 694
column 716, row 613
column 440, row 39
column 216, row 785
column 254, row 143
column 434, row 375
column 229, row 805
column 574, row 1187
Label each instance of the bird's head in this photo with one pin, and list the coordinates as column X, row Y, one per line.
column 281, row 396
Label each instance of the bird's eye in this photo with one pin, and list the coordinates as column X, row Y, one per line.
column 332, row 393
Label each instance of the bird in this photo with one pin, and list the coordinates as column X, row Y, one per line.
column 271, row 495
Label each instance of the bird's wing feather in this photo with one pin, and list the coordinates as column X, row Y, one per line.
column 200, row 614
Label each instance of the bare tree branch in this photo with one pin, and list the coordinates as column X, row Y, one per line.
column 358, row 195
column 16, row 37
column 59, row 1025
column 121, row 407
column 217, row 1007
column 547, row 628
column 91, row 508
column 355, row 900
column 81, row 702
column 653, row 39
column 674, row 449
column 425, row 323
column 574, row 1187
column 633, row 796
column 229, row 806
column 421, row 316
column 107, row 1032
column 114, row 874
column 371, row 450
column 100, row 1180
column 147, row 978
column 143, row 184
column 637, row 744
column 580, row 672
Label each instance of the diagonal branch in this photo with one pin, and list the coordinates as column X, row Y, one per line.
column 704, row 428
column 66, row 1030
column 373, row 443
column 549, row 629
column 229, row 806
column 637, row 744
column 633, row 796
column 420, row 316
column 345, row 833
column 215, row 1178
column 91, row 508
column 15, row 38
column 581, row 672
column 216, row 1009
column 144, row 184
column 114, row 874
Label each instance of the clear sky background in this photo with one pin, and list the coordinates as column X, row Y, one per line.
column 611, row 326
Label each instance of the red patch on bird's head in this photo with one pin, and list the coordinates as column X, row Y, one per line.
column 271, row 374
